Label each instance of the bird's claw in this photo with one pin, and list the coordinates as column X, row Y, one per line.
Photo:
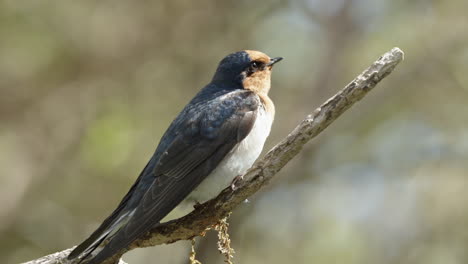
column 197, row 205
column 235, row 182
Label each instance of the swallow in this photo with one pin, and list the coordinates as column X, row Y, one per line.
column 216, row 137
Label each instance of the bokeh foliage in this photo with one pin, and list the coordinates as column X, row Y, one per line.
column 88, row 88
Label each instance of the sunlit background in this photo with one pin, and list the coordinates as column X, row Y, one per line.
column 89, row 87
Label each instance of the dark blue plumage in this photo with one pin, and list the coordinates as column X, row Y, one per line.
column 231, row 66
column 210, row 126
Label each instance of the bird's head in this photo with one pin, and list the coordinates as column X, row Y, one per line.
column 250, row 68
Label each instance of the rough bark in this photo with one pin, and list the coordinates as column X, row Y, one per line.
column 211, row 212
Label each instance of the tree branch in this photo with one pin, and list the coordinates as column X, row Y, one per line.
column 209, row 213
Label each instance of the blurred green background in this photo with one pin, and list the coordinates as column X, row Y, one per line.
column 88, row 88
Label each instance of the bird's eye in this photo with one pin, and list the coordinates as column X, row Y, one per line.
column 255, row 65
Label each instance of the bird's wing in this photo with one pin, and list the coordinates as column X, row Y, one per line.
column 200, row 144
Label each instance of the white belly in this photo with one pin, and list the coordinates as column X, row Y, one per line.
column 238, row 161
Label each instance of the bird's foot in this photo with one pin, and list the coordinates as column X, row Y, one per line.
column 235, row 182
column 196, row 205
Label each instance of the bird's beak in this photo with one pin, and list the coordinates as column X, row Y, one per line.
column 274, row 60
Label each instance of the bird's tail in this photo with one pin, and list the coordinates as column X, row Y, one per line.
column 107, row 229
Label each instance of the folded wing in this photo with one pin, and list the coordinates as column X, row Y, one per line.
column 199, row 144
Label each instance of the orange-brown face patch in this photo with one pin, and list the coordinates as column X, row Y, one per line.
column 258, row 56
column 259, row 82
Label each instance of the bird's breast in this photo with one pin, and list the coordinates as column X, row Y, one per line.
column 238, row 161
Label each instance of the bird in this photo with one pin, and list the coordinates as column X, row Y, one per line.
column 216, row 137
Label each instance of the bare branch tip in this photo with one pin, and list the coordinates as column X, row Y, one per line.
column 398, row 54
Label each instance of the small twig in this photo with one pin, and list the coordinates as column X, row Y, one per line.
column 210, row 213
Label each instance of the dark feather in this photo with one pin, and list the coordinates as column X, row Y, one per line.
column 188, row 152
column 95, row 239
